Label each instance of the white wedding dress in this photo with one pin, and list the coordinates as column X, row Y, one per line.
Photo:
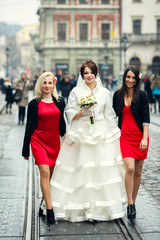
column 88, row 179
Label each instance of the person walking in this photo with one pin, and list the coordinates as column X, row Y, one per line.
column 155, row 86
column 73, row 81
column 132, row 108
column 59, row 79
column 45, row 124
column 87, row 183
column 23, row 85
column 147, row 88
column 66, row 87
column 9, row 95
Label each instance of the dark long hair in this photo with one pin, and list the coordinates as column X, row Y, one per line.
column 124, row 88
column 90, row 64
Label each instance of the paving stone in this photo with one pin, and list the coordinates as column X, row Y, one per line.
column 13, row 178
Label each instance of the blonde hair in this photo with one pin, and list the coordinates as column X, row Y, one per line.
column 39, row 83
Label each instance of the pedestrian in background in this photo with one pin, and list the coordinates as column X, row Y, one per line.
column 35, row 80
column 9, row 95
column 132, row 108
column 147, row 88
column 87, row 183
column 59, row 79
column 23, row 85
column 156, row 92
column 73, row 81
column 45, row 124
column 66, row 87
column 114, row 83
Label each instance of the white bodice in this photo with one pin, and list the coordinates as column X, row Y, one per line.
column 103, row 110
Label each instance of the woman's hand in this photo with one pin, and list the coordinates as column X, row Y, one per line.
column 26, row 158
column 143, row 144
column 86, row 111
column 83, row 112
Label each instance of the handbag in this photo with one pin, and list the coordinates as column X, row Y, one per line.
column 18, row 95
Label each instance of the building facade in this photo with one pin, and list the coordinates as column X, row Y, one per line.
column 141, row 27
column 24, row 46
column 73, row 31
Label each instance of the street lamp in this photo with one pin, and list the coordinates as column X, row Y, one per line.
column 124, row 46
column 7, row 61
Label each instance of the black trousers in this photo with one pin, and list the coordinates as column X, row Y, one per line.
column 21, row 114
column 8, row 105
column 156, row 99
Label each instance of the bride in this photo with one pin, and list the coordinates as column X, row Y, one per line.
column 88, row 179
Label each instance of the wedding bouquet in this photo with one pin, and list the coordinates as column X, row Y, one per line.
column 89, row 102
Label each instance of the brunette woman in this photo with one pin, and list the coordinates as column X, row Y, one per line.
column 132, row 108
column 45, row 123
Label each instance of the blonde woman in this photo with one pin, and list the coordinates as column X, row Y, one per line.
column 45, row 124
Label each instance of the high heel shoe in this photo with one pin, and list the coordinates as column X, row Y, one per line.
column 131, row 211
column 50, row 216
column 134, row 207
column 41, row 212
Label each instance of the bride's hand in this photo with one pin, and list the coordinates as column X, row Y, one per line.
column 86, row 111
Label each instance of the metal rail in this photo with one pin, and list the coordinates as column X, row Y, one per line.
column 129, row 229
column 28, row 231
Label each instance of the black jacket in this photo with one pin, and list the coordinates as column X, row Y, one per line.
column 32, row 119
column 139, row 109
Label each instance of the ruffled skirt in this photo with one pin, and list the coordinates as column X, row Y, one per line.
column 88, row 179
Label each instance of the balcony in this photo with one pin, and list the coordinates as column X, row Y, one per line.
column 144, row 38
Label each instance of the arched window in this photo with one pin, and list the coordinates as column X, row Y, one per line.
column 136, row 62
column 156, row 65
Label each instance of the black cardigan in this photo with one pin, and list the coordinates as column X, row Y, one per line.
column 32, row 119
column 139, row 109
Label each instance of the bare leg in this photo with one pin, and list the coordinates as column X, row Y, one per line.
column 129, row 177
column 137, row 177
column 45, row 184
column 51, row 172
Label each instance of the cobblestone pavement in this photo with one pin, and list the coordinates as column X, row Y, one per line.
column 151, row 169
column 13, row 178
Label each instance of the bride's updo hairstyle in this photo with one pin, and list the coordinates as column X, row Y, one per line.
column 90, row 64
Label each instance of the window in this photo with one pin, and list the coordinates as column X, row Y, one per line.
column 61, row 31
column 105, row 31
column 61, row 1
column 156, row 65
column 83, row 1
column 105, row 1
column 137, row 26
column 158, row 26
column 83, row 32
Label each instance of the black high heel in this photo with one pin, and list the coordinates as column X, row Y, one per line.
column 131, row 211
column 50, row 216
column 134, row 207
column 41, row 212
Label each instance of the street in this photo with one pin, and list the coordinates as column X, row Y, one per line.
column 14, row 185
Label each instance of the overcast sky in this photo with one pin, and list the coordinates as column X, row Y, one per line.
column 23, row 12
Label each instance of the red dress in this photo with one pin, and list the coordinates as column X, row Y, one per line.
column 131, row 136
column 45, row 140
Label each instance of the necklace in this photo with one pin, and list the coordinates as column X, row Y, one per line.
column 47, row 100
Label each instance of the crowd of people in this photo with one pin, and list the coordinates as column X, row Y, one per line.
column 89, row 165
